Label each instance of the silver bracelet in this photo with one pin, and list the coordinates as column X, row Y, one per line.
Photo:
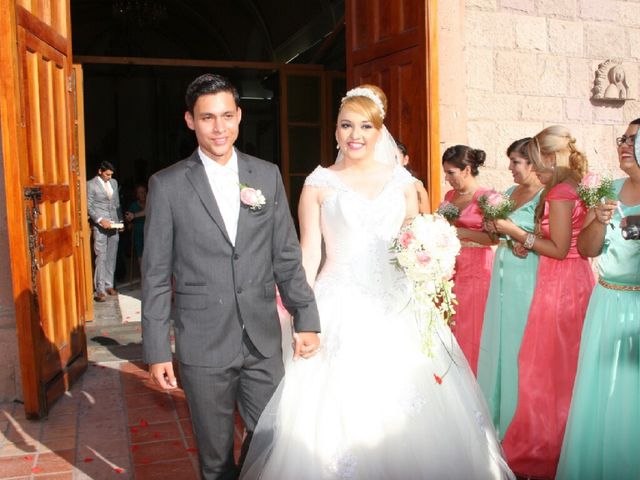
column 529, row 241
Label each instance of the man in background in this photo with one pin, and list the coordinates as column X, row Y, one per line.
column 103, row 202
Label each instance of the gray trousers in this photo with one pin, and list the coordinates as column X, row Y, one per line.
column 213, row 393
column 105, row 246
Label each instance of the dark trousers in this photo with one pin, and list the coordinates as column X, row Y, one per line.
column 213, row 393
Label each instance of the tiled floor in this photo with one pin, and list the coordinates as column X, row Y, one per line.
column 114, row 423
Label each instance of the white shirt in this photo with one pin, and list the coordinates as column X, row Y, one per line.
column 225, row 185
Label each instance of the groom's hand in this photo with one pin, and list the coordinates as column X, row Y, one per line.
column 162, row 374
column 305, row 344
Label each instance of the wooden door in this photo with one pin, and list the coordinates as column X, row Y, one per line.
column 43, row 202
column 393, row 45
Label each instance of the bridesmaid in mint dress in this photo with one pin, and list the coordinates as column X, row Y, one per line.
column 473, row 264
column 602, row 439
column 512, row 283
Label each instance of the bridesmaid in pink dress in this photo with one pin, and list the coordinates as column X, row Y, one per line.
column 475, row 262
column 548, row 355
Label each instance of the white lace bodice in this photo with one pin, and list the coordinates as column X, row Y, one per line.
column 358, row 231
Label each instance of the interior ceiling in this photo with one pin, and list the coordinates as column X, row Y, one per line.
column 279, row 31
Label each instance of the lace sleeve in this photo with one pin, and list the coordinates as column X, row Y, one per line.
column 320, row 177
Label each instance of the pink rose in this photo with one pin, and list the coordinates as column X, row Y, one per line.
column 423, row 258
column 591, row 180
column 406, row 238
column 494, row 199
column 252, row 197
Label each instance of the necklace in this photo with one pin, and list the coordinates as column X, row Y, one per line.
column 462, row 194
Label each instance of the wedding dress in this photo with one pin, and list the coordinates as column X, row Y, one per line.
column 371, row 404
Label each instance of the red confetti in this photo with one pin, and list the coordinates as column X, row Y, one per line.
column 134, row 448
column 144, row 423
column 28, row 458
column 134, row 429
column 88, row 459
column 192, row 449
column 145, row 460
column 178, row 444
column 105, row 333
column 118, row 470
column 36, row 470
column 157, row 435
column 438, row 379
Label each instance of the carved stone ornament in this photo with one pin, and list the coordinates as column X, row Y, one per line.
column 611, row 83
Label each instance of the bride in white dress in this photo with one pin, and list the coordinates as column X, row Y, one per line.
column 370, row 404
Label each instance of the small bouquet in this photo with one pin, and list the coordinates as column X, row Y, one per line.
column 495, row 205
column 425, row 250
column 449, row 211
column 592, row 188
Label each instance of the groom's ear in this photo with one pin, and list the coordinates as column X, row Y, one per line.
column 239, row 114
column 189, row 119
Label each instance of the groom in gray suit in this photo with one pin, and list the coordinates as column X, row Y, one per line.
column 218, row 226
column 103, row 205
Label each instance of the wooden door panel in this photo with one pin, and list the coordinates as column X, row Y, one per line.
column 50, row 178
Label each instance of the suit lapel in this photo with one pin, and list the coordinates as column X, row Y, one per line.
column 246, row 176
column 197, row 175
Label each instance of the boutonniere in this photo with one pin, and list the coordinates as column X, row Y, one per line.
column 251, row 197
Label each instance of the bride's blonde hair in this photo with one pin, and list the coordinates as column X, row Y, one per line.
column 366, row 106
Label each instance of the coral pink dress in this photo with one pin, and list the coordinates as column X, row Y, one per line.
column 472, row 280
column 549, row 352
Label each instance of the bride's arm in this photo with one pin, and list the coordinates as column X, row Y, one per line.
column 310, row 233
column 411, row 197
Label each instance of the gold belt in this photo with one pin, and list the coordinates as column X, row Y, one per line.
column 615, row 286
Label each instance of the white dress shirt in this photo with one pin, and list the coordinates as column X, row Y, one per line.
column 225, row 185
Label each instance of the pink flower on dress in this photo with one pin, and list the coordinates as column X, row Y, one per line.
column 251, row 197
column 591, row 180
column 406, row 238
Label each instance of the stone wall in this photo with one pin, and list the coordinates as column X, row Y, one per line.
column 527, row 64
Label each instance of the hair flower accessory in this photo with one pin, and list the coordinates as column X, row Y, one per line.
column 365, row 92
column 251, row 197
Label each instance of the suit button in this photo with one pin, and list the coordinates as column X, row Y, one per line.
column 236, row 256
column 239, row 291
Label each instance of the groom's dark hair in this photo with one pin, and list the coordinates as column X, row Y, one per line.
column 206, row 84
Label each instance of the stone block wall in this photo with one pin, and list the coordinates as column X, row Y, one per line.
column 523, row 65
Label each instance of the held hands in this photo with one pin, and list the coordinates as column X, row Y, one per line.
column 519, row 250
column 162, row 374
column 305, row 344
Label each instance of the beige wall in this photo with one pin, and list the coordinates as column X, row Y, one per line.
column 509, row 68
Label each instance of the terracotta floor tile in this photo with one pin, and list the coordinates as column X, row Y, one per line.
column 150, row 415
column 105, row 447
column 147, row 400
column 16, row 466
column 179, row 469
column 146, row 453
column 15, row 449
column 155, row 432
column 187, row 428
column 55, row 462
column 57, row 431
column 104, row 469
column 57, row 444
column 135, row 387
column 182, row 408
column 55, row 476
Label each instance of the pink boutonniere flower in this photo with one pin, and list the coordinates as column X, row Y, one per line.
column 251, row 197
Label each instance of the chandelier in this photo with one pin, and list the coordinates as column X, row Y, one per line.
column 139, row 13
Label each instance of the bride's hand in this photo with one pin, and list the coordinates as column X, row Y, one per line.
column 305, row 344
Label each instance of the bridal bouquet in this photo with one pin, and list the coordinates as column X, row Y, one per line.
column 495, row 205
column 449, row 211
column 592, row 188
column 425, row 250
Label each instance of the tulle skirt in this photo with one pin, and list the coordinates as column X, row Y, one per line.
column 472, row 279
column 547, row 365
column 371, row 405
column 602, row 438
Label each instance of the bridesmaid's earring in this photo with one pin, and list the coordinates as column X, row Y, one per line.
column 337, row 147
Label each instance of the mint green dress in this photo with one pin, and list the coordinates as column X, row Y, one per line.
column 602, row 438
column 512, row 283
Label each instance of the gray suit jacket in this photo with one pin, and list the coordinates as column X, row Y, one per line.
column 219, row 289
column 99, row 205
